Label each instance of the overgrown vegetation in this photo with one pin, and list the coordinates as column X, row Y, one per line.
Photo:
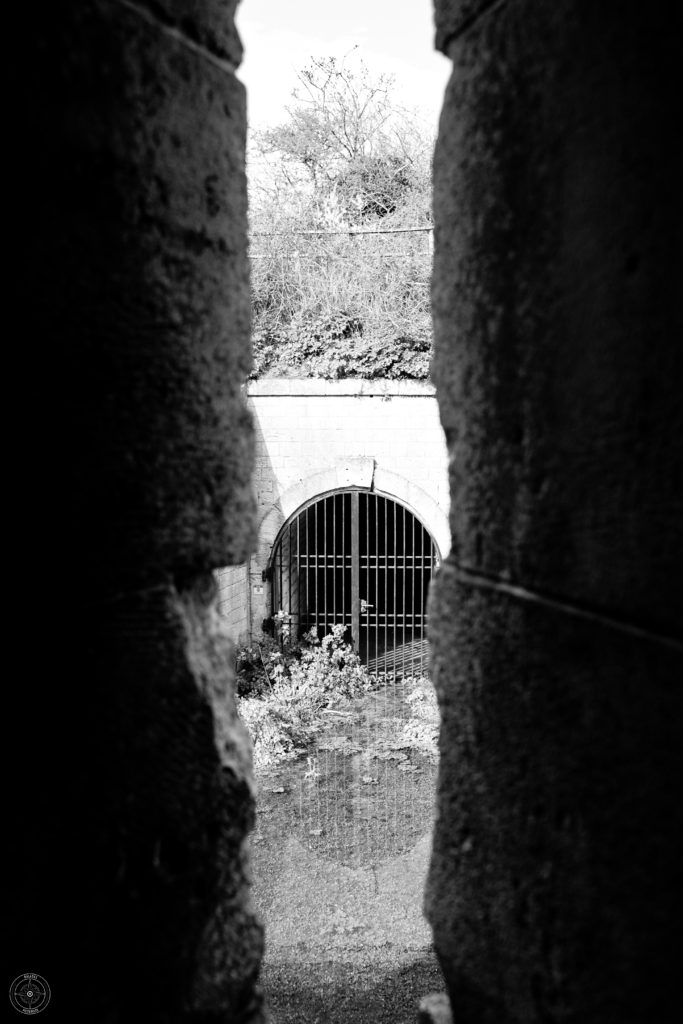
column 285, row 694
column 328, row 302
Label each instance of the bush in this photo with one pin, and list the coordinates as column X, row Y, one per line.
column 253, row 677
column 285, row 688
column 342, row 346
column 302, row 681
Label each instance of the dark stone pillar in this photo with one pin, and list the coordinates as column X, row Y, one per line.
column 557, row 620
column 130, row 881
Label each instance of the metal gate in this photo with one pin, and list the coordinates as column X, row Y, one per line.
column 363, row 560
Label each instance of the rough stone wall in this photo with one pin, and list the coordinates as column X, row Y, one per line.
column 557, row 275
column 556, row 621
column 305, row 427
column 129, row 885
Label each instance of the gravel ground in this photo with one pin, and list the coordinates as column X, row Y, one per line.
column 334, row 992
column 346, row 942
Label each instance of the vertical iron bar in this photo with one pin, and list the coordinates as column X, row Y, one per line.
column 434, row 563
column 360, row 615
column 298, row 576
column 343, row 547
column 403, row 605
column 385, row 502
column 378, row 569
column 368, row 587
column 324, row 504
column 290, row 531
column 423, row 550
column 334, row 558
column 279, row 596
column 409, row 615
column 307, row 543
column 413, row 589
column 355, row 566
column 377, row 589
column 299, row 595
column 377, row 626
column 247, row 585
column 315, row 560
column 395, row 508
column 371, row 540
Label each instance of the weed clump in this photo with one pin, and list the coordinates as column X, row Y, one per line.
column 282, row 707
column 287, row 690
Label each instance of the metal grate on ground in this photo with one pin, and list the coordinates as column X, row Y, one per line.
column 340, row 857
column 409, row 659
column 366, row 794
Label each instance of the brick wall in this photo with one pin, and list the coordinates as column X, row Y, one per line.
column 313, row 436
column 233, row 599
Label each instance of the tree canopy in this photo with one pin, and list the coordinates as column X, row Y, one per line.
column 346, row 157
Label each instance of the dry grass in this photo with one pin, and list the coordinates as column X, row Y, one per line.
column 374, row 278
column 362, row 292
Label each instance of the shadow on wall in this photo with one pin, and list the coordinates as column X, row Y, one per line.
column 243, row 594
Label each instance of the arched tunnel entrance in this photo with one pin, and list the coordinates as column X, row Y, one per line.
column 360, row 559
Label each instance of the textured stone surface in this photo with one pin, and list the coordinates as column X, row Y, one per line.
column 130, row 882
column 554, row 863
column 174, row 803
column 434, row 1009
column 145, row 291
column 555, row 299
column 454, row 18
column 558, row 372
column 209, row 25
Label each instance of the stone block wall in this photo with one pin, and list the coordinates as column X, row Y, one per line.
column 557, row 619
column 233, row 599
column 312, row 436
column 129, row 884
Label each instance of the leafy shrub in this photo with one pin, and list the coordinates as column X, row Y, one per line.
column 283, row 706
column 253, row 676
column 335, row 347
column 421, row 731
column 303, row 682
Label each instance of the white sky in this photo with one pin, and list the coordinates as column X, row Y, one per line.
column 393, row 36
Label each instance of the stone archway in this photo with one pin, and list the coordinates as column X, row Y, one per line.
column 365, row 473
column 356, row 559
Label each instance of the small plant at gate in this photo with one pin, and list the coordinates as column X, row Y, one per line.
column 329, row 669
column 304, row 681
